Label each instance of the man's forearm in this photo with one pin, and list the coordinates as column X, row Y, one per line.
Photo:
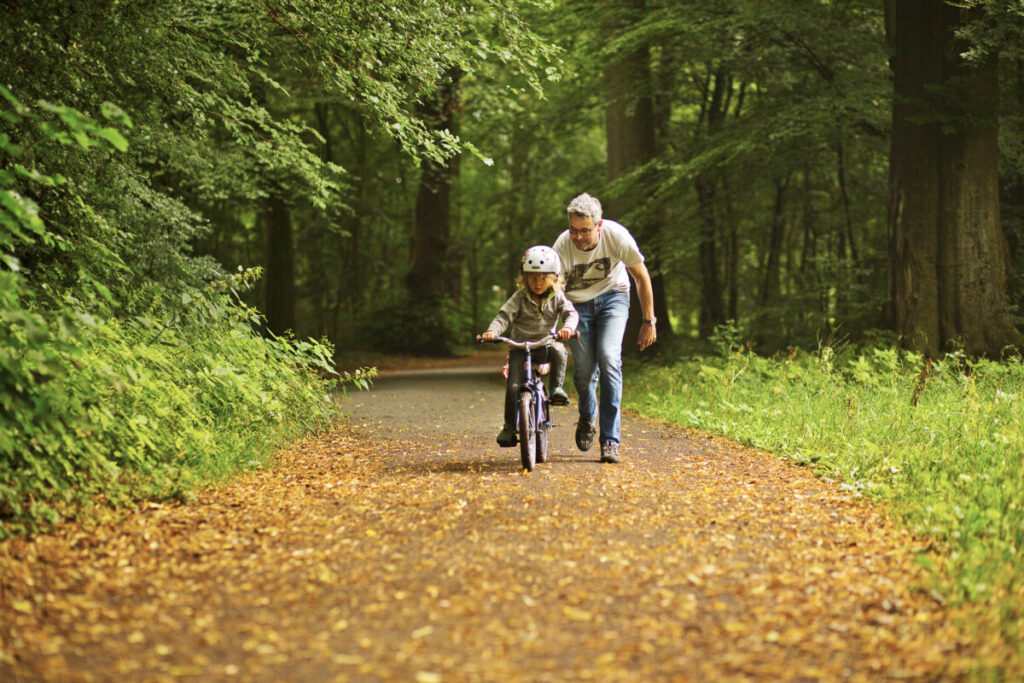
column 644, row 290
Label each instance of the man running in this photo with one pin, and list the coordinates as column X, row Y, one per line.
column 598, row 256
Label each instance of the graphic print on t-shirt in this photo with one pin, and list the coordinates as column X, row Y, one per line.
column 584, row 275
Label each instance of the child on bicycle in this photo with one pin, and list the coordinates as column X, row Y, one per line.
column 533, row 312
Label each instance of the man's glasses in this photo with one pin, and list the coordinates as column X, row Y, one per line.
column 580, row 233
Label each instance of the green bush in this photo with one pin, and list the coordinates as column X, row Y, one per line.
column 143, row 393
column 126, row 409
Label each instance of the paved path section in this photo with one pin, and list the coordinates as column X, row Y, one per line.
column 408, row 546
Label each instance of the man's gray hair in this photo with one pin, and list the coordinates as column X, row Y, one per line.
column 585, row 206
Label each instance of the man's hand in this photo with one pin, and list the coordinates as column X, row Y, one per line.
column 565, row 333
column 648, row 335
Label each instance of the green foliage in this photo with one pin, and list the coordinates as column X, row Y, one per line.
column 21, row 226
column 130, row 372
column 40, row 417
column 404, row 324
column 942, row 442
column 996, row 28
column 149, row 406
column 104, row 407
column 384, row 59
column 222, row 96
column 780, row 112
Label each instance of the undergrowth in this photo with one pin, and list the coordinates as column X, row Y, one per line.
column 941, row 442
column 116, row 386
column 138, row 407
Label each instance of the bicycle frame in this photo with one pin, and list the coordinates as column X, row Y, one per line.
column 535, row 385
column 532, row 438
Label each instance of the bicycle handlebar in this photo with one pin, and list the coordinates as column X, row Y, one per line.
column 546, row 341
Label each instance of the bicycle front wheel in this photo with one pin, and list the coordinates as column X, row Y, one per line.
column 542, row 445
column 527, row 430
column 542, row 434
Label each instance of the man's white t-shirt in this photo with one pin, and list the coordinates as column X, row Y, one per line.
column 589, row 274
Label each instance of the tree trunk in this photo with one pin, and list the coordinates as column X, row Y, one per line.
column 631, row 142
column 732, row 255
column 769, row 298
column 846, row 297
column 848, row 244
column 433, row 277
column 1013, row 202
column 808, row 279
column 947, row 253
column 522, row 197
column 771, row 280
column 712, row 304
column 280, row 276
column 353, row 286
column 732, row 244
column 319, row 259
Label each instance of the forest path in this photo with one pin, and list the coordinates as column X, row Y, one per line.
column 408, row 546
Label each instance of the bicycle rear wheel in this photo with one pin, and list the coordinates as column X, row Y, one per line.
column 527, row 430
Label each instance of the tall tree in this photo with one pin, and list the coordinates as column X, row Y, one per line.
column 716, row 92
column 630, row 133
column 771, row 279
column 280, row 274
column 432, row 278
column 1012, row 163
column 947, row 251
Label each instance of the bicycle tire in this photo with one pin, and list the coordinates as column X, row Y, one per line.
column 542, row 435
column 527, row 430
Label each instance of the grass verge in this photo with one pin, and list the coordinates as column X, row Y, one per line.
column 942, row 443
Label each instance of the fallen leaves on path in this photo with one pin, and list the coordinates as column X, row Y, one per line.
column 377, row 559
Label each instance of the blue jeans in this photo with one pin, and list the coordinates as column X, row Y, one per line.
column 597, row 356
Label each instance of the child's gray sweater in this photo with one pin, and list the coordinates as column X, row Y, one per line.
column 530, row 321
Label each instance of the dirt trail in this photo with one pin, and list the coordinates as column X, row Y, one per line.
column 408, row 546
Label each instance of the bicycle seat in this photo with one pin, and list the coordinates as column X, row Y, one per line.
column 543, row 368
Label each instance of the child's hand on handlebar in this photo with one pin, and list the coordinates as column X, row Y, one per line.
column 486, row 336
column 567, row 333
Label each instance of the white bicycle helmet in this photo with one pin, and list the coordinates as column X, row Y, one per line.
column 541, row 259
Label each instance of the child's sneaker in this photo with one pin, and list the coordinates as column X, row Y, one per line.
column 559, row 397
column 507, row 436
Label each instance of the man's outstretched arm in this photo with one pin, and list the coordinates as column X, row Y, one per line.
column 645, row 292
